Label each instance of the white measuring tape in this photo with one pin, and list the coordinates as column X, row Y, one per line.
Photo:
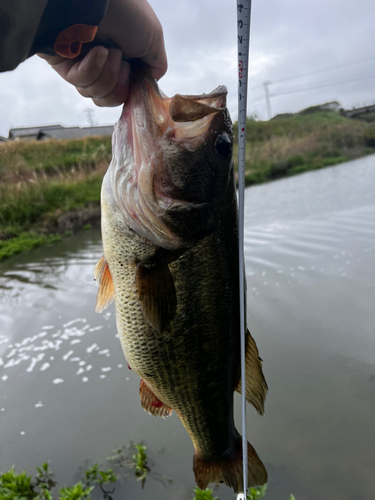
column 243, row 38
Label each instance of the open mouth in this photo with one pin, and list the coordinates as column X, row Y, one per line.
column 147, row 121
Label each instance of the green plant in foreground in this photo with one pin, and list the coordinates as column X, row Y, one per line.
column 95, row 475
column 140, row 463
column 203, row 494
column 256, row 493
column 15, row 486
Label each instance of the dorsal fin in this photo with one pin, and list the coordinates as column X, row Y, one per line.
column 156, row 292
column 256, row 385
column 103, row 278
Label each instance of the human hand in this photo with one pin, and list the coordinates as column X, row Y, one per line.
column 101, row 74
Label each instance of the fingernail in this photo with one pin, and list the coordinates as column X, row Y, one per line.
column 101, row 58
column 124, row 73
column 115, row 57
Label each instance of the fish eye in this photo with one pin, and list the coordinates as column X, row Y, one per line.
column 223, row 145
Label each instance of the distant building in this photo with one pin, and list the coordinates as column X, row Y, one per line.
column 358, row 112
column 3, row 139
column 57, row 132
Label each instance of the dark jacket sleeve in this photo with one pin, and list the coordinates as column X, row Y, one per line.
column 30, row 26
column 19, row 21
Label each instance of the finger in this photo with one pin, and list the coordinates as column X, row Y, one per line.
column 88, row 71
column 60, row 64
column 156, row 59
column 50, row 59
column 157, row 63
column 107, row 79
column 120, row 93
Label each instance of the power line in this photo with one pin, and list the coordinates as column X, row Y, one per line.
column 324, row 70
column 319, row 71
column 328, row 84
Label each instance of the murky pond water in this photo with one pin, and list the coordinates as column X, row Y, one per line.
column 67, row 396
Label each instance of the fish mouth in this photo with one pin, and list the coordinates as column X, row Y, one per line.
column 151, row 125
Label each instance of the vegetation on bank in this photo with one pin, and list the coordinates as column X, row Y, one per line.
column 49, row 188
column 312, row 139
column 43, row 486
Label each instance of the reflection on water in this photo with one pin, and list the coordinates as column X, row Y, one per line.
column 66, row 394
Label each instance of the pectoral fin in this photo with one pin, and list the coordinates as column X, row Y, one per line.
column 156, row 292
column 256, row 385
column 103, row 278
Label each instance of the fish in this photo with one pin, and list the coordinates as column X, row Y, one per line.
column 170, row 263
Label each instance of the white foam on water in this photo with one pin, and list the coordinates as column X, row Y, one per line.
column 4, row 378
column 106, row 369
column 103, row 376
column 103, row 351
column 92, row 348
column 73, row 321
column 67, row 355
column 39, row 404
column 48, row 327
column 57, row 381
column 44, row 367
column 15, row 362
column 95, row 328
column 80, row 371
column 85, row 379
column 34, row 362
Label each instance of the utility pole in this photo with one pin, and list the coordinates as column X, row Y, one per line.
column 268, row 102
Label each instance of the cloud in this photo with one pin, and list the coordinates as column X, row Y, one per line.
column 288, row 39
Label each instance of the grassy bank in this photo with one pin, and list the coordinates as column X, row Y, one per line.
column 309, row 140
column 50, row 188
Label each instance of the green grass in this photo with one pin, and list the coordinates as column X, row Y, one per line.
column 40, row 182
column 26, row 241
column 302, row 142
column 24, row 157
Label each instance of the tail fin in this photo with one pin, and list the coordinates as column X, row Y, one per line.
column 228, row 470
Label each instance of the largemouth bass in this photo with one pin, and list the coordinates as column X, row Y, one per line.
column 170, row 238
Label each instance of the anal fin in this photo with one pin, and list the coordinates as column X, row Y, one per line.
column 106, row 291
column 256, row 385
column 156, row 292
column 151, row 404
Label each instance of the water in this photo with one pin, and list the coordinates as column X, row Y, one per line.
column 67, row 396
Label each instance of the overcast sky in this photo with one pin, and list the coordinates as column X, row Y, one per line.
column 289, row 38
